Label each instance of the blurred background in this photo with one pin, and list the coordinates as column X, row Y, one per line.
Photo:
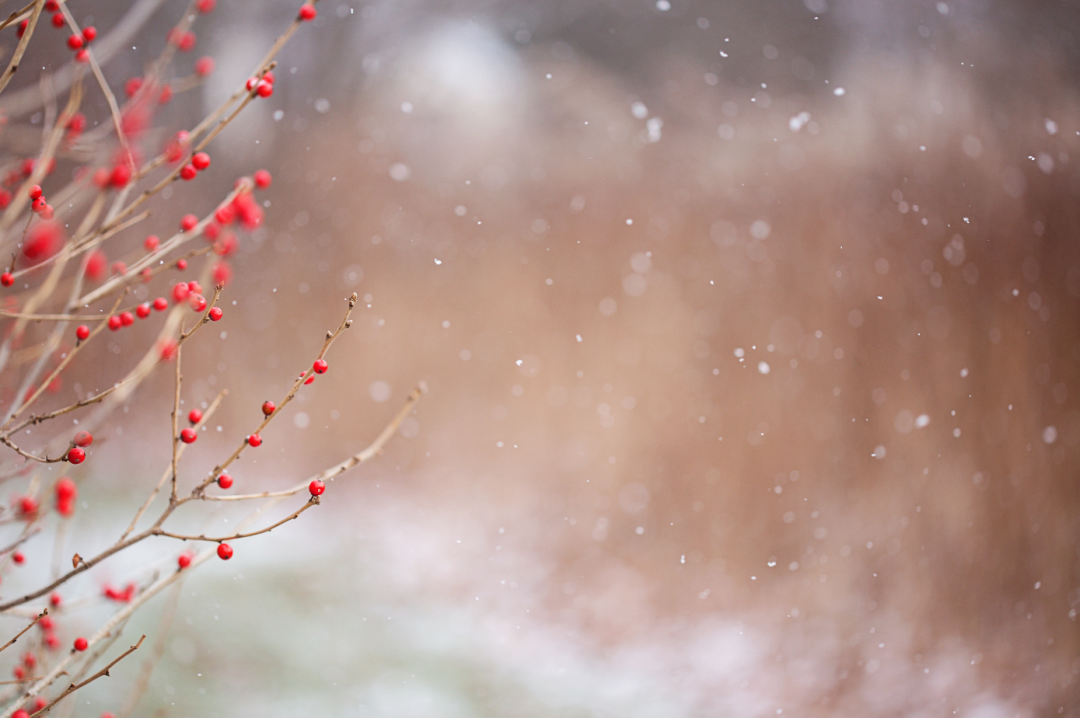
column 749, row 333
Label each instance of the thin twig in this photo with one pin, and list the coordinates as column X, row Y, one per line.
column 158, row 650
column 103, row 672
column 20, row 633
column 21, row 47
column 331, row 336
column 168, row 471
column 313, row 501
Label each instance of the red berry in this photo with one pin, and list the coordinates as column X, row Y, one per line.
column 81, row 644
column 317, row 488
column 166, row 95
column 263, row 179
column 250, row 84
column 50, row 640
column 204, row 66
column 188, row 222
column 121, row 175
column 268, row 407
column 225, row 481
column 307, row 13
column 57, row 19
column 187, row 42
column 225, row 214
column 22, row 28
column 201, row 161
column 119, row 268
column 114, row 323
column 38, row 205
column 75, row 42
column 46, row 623
column 35, row 191
column 215, row 314
column 264, row 89
column 188, row 172
column 212, row 231
column 143, row 310
column 184, row 560
column 82, row 56
column 224, row 551
column 222, row 273
column 127, row 319
column 181, row 264
column 151, row 243
column 197, row 302
column 84, row 439
column 205, row 6
column 20, row 713
column 7, row 279
column 52, row 5
column 320, row 366
column 55, row 600
column 66, row 489
column 76, row 455
column 309, row 379
column 188, row 436
column 180, row 292
column 254, row 440
column 194, row 416
column 18, row 557
column 20, row 674
column 194, row 287
column 89, row 33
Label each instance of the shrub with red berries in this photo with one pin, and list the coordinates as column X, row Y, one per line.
column 108, row 273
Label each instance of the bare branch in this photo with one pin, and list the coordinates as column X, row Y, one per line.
column 20, row 633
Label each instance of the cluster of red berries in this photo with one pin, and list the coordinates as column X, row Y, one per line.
column 261, row 86
column 123, row 596
column 199, row 162
column 38, row 203
column 75, row 454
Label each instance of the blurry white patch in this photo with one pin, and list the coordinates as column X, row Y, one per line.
column 301, row 420
column 406, row 107
column 322, row 105
column 760, row 229
column 1051, row 126
column 922, row 421
column 763, row 367
column 663, row 5
column 652, row 127
column 639, row 110
column 816, row 6
column 839, row 92
column 797, row 122
column 879, row 452
column 400, row 172
column 1050, row 434
column 379, row 391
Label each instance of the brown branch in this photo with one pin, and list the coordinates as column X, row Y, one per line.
column 21, row 47
column 18, row 635
column 103, row 672
column 331, row 336
column 360, row 457
column 17, row 15
column 165, row 476
column 175, row 423
column 16, row 544
column 158, row 650
column 313, row 501
column 55, row 373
